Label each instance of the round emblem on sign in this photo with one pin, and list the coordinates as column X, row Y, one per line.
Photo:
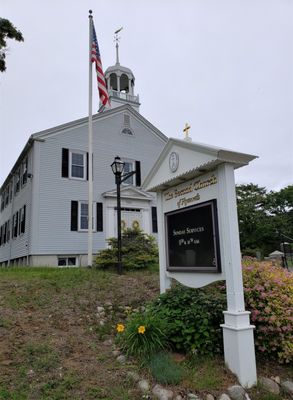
column 173, row 161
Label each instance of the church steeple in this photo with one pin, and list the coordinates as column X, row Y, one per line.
column 120, row 82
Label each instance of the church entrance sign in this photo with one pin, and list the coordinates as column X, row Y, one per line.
column 198, row 235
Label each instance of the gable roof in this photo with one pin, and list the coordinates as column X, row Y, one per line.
column 130, row 192
column 98, row 117
column 59, row 129
column 197, row 158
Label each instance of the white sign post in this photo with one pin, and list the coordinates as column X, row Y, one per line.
column 199, row 238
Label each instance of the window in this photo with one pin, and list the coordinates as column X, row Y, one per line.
column 15, row 224
column 8, row 231
column 17, row 182
column 77, row 165
column 10, row 191
column 2, row 201
column 5, row 232
column 22, row 220
column 66, row 261
column 74, row 164
column 79, row 216
column 24, row 172
column 6, row 194
column 83, row 217
column 129, row 167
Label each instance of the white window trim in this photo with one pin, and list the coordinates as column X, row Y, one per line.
column 79, row 217
column 23, row 171
column 84, row 164
column 127, row 160
column 68, row 266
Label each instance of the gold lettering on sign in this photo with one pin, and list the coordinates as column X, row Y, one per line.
column 191, row 187
column 203, row 184
column 187, row 189
column 169, row 196
column 187, row 200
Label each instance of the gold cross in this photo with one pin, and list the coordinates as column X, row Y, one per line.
column 186, row 129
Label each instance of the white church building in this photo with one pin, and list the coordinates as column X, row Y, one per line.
column 44, row 208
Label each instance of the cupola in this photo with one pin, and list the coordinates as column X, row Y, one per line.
column 120, row 82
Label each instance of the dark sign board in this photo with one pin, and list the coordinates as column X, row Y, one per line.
column 193, row 238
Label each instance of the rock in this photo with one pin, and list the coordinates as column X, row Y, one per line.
column 144, row 385
column 178, row 397
column 134, row 377
column 210, row 397
column 236, row 392
column 269, row 385
column 115, row 353
column 193, row 396
column 287, row 386
column 100, row 309
column 224, row 396
column 277, row 379
column 102, row 322
column 121, row 359
column 162, row 393
column 108, row 342
column 101, row 314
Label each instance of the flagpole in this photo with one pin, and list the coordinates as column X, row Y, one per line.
column 90, row 148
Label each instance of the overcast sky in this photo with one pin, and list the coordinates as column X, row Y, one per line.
column 223, row 66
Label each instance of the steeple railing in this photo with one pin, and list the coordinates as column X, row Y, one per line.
column 124, row 96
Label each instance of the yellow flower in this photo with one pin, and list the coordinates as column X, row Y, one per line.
column 120, row 328
column 141, row 329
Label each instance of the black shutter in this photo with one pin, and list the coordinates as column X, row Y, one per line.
column 137, row 175
column 65, row 159
column 16, row 225
column 154, row 220
column 1, row 236
column 87, row 166
column 74, row 215
column 22, row 228
column 5, row 232
column 99, row 217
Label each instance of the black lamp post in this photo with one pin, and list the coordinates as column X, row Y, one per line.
column 118, row 168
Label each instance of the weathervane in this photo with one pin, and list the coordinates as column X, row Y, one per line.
column 117, row 39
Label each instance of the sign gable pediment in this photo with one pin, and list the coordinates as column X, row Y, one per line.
column 193, row 159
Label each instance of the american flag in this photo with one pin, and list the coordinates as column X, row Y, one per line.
column 96, row 58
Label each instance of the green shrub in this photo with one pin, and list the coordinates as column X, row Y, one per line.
column 139, row 250
column 269, row 297
column 165, row 370
column 193, row 318
column 142, row 336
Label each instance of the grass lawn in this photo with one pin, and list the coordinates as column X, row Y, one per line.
column 53, row 347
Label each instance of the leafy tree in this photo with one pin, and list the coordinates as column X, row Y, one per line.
column 7, row 31
column 262, row 215
column 252, row 217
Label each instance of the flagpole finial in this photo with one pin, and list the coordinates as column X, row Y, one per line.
column 90, row 12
